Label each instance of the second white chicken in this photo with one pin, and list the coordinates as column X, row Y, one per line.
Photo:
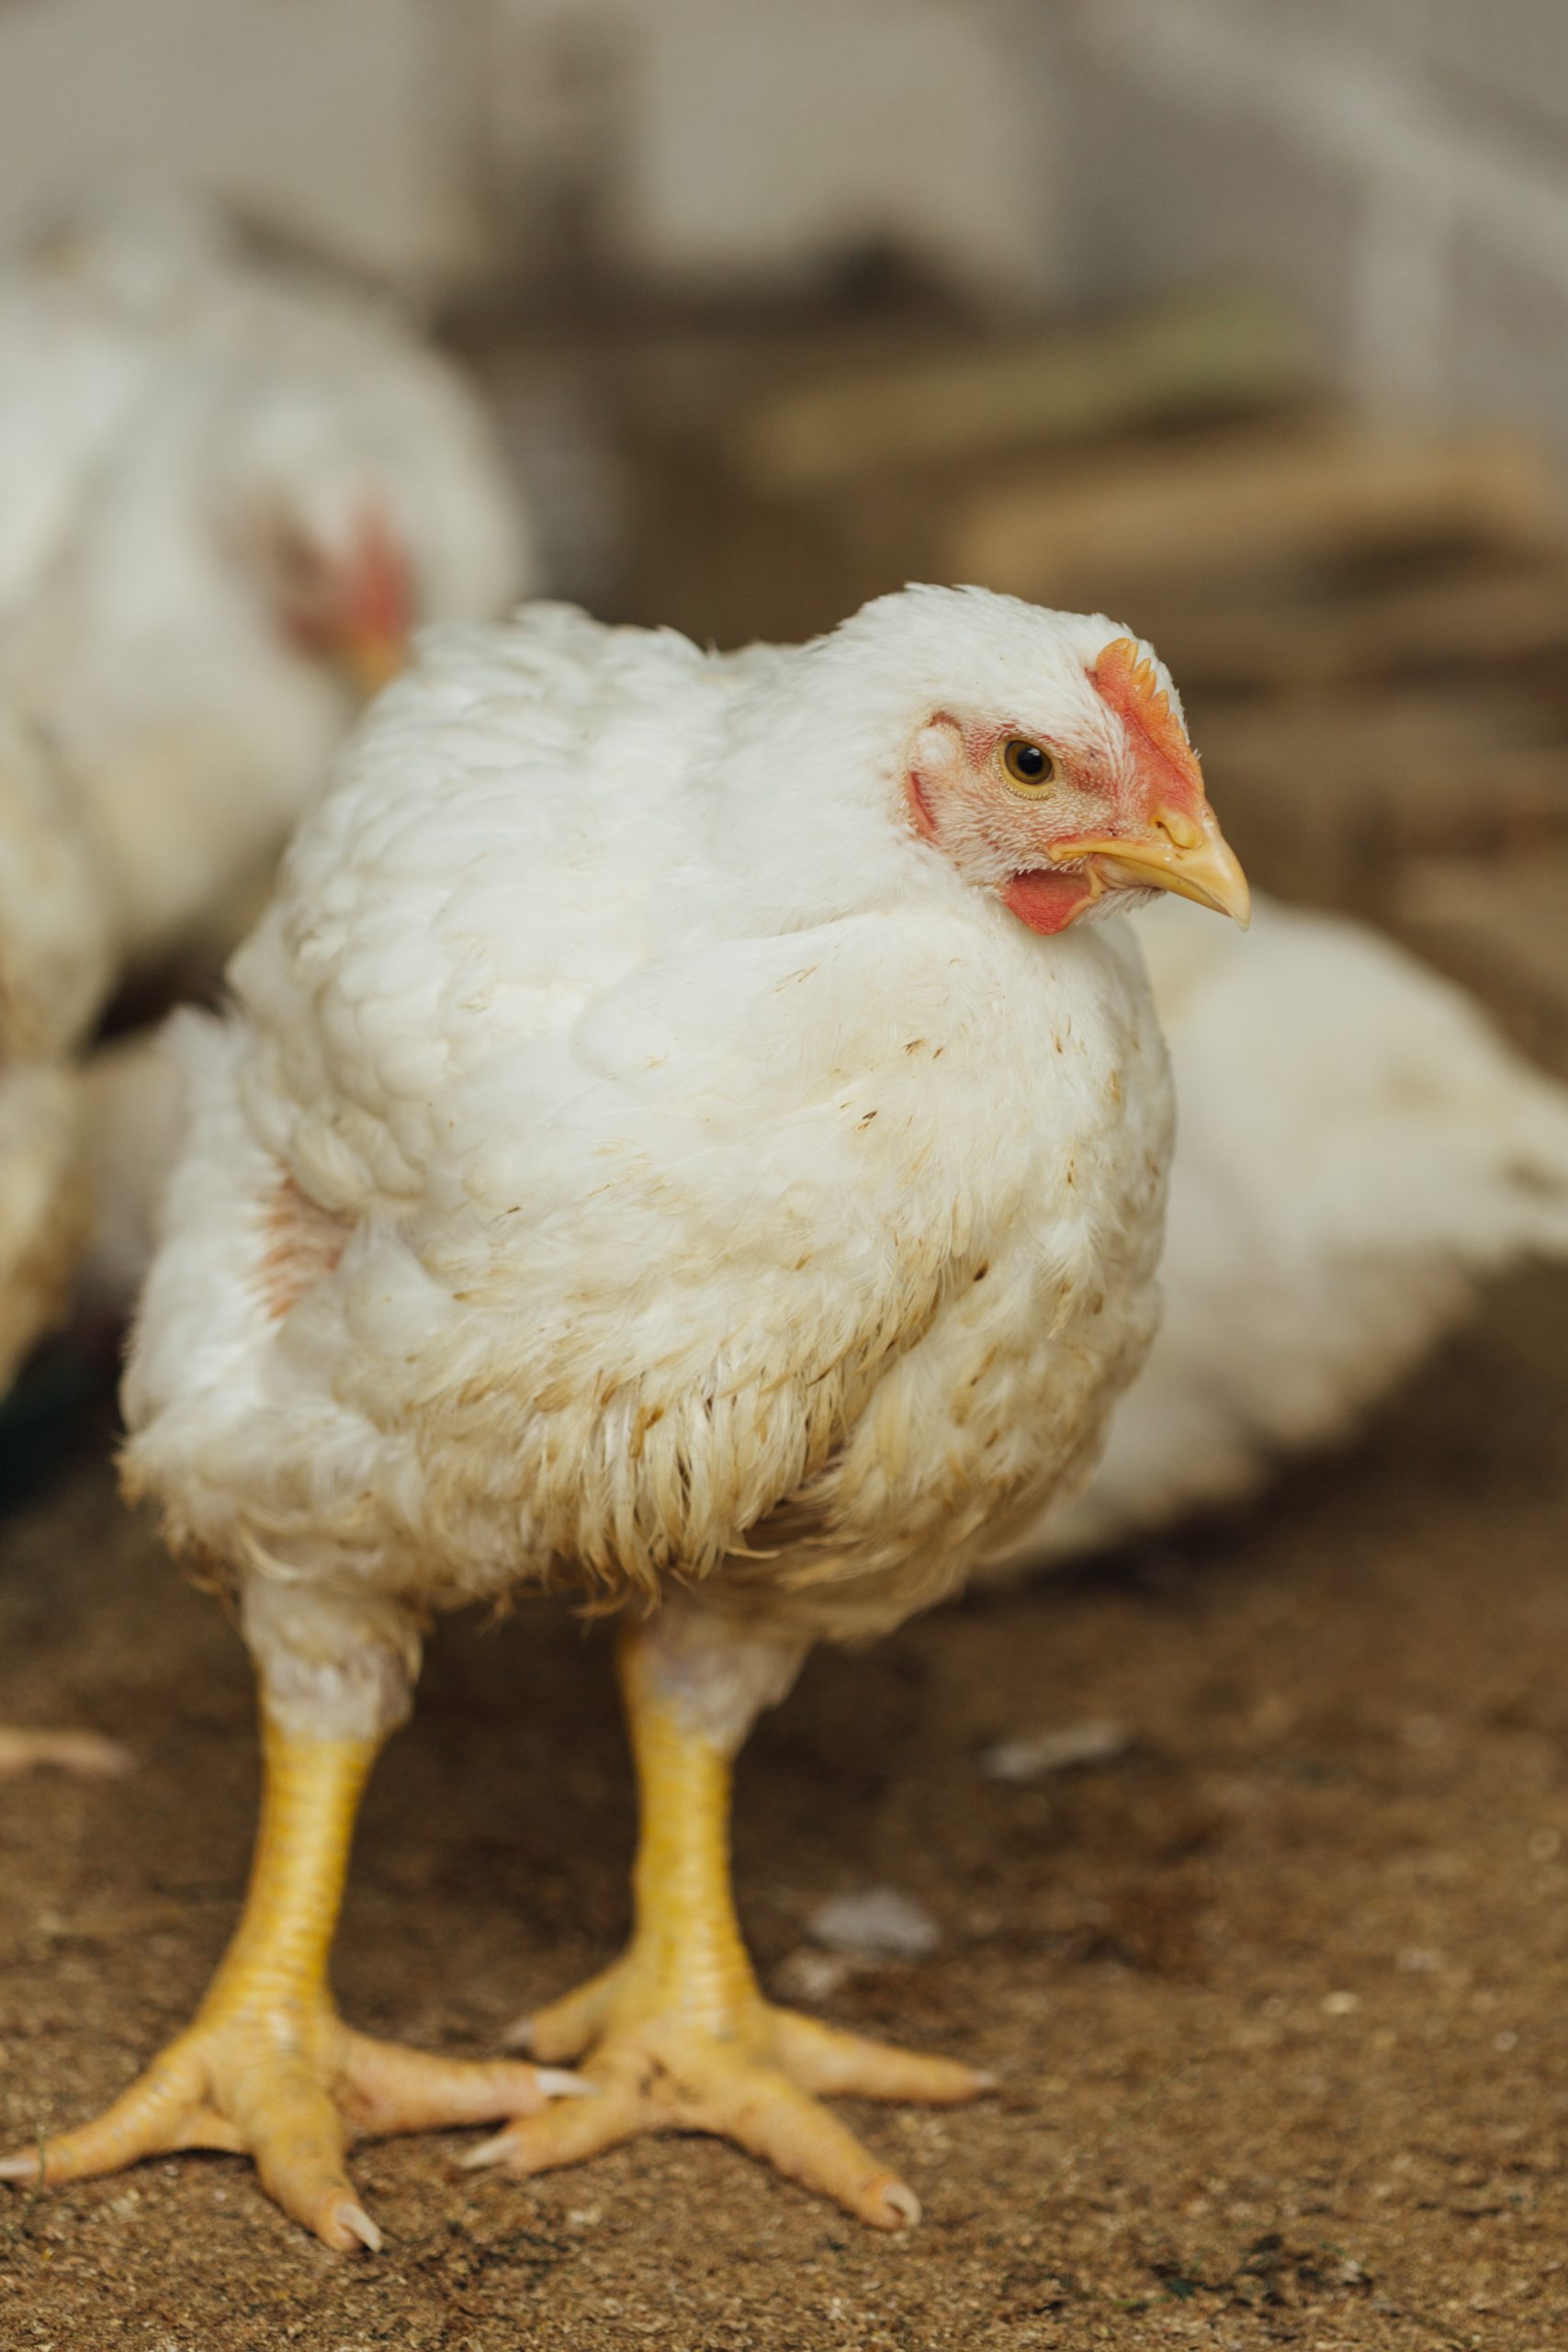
column 55, row 965
column 1357, row 1150
column 233, row 489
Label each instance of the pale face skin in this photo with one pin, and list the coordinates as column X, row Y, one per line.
column 1057, row 826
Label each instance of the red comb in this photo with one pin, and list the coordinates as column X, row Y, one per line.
column 1124, row 679
column 382, row 590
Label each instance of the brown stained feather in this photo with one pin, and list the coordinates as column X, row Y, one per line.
column 304, row 1242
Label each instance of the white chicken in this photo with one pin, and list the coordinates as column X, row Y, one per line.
column 676, row 1141
column 135, row 1120
column 1357, row 1149
column 231, row 490
column 54, row 968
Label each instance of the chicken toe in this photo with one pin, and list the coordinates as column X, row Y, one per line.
column 749, row 2079
column 268, row 2069
column 289, row 2087
column 676, row 2036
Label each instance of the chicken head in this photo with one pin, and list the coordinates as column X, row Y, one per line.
column 1066, row 809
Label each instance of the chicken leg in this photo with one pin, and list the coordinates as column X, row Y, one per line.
column 267, row 2067
column 681, row 2038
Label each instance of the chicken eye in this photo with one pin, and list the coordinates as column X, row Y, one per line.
column 1028, row 767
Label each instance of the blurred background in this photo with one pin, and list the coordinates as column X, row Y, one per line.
column 1246, row 321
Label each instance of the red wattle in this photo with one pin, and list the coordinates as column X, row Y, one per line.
column 1047, row 903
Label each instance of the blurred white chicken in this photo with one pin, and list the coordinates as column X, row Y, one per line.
column 231, row 491
column 55, row 964
column 1357, row 1149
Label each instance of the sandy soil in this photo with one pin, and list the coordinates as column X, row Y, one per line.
column 1277, row 1996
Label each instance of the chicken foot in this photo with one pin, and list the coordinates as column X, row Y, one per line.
column 678, row 2035
column 267, row 2069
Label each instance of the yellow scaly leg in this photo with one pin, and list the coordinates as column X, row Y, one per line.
column 267, row 2067
column 680, row 2036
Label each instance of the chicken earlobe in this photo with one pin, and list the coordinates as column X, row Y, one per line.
column 268, row 2068
column 680, row 2036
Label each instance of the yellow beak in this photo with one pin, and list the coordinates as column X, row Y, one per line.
column 373, row 661
column 1193, row 861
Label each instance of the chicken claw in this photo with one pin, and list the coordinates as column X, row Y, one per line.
column 290, row 2087
column 748, row 2072
column 677, row 2035
column 268, row 2069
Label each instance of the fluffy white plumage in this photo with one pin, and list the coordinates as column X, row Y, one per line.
column 136, row 1120
column 638, row 1155
column 55, row 963
column 680, row 1134
column 193, row 447
column 1357, row 1149
column 668, row 1141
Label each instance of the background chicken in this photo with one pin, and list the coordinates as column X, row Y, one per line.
column 678, row 1141
column 1356, row 1150
column 55, row 963
column 230, row 488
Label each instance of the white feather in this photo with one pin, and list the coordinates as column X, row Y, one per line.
column 1357, row 1150
column 160, row 396
column 54, row 968
column 636, row 1156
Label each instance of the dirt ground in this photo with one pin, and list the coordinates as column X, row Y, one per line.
column 1277, row 1996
